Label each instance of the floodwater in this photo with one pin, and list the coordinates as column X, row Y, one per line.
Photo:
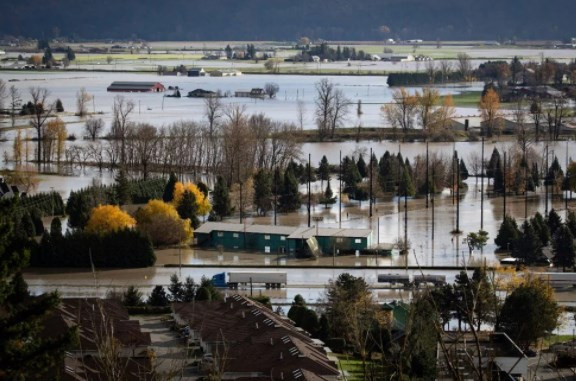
column 159, row 110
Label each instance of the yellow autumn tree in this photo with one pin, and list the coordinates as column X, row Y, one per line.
column 202, row 202
column 161, row 222
column 108, row 218
column 490, row 111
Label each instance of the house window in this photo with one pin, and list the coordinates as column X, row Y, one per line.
column 235, row 235
column 357, row 240
column 220, row 234
column 267, row 237
column 282, row 238
column 339, row 239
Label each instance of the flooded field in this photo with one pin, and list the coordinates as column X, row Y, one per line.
column 158, row 110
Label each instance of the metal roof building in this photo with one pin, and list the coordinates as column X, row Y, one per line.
column 136, row 87
column 280, row 239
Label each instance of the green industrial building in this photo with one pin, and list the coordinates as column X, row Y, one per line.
column 281, row 239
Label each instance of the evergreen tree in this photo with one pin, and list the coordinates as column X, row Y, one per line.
column 59, row 105
column 278, row 186
column 324, row 170
column 328, row 195
column 528, row 246
column 493, row 163
column 362, row 167
column 175, row 289
column 263, row 191
column 553, row 221
column 307, row 173
column 498, row 185
column 24, row 354
column 168, row 194
column 406, row 186
column 541, row 228
column 290, row 198
column 507, row 234
column 387, row 169
column 48, row 57
column 36, row 217
column 132, row 297
column 70, row 54
column 463, row 170
column 203, row 294
column 56, row 228
column 554, row 173
column 571, row 222
column 563, row 245
column 158, row 297
column 123, row 193
column 188, row 290
column 188, row 209
column 221, row 199
column 27, row 226
column 350, row 176
column 535, row 174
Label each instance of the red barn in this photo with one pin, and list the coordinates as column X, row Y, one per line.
column 136, row 87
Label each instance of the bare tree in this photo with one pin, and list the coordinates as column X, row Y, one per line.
column 324, row 106
column 556, row 111
column 445, row 69
column 82, row 99
column 301, row 110
column 40, row 113
column 120, row 125
column 536, row 115
column 93, row 127
column 430, row 70
column 522, row 133
column 331, row 107
column 15, row 102
column 271, row 89
column 144, row 138
column 401, row 112
column 3, row 88
column 464, row 66
column 426, row 103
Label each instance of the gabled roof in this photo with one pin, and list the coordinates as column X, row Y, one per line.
column 305, row 233
column 293, row 232
column 256, row 340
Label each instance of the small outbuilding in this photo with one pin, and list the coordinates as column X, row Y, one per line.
column 136, row 87
column 196, row 72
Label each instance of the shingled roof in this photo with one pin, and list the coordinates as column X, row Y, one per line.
column 257, row 340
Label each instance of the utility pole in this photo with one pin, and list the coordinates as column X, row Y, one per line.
column 340, row 194
column 457, row 164
column 505, row 173
column 309, row 195
column 546, row 183
column 482, row 186
column 525, row 187
column 406, row 217
column 276, row 195
column 432, row 202
column 427, row 175
column 370, row 161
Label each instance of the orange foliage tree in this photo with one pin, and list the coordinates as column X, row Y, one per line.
column 202, row 202
column 161, row 222
column 490, row 111
column 108, row 218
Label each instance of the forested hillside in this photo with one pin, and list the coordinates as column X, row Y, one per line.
column 290, row 19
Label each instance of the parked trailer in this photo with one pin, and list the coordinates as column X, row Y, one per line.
column 235, row 279
column 394, row 279
column 436, row 280
column 557, row 279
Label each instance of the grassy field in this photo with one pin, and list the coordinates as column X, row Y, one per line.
column 469, row 99
column 352, row 367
